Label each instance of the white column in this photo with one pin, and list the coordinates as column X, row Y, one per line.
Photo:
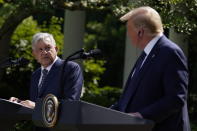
column 180, row 40
column 74, row 27
column 131, row 55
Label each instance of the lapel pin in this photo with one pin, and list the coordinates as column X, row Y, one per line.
column 153, row 56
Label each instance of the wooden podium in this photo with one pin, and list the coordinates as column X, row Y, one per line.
column 74, row 116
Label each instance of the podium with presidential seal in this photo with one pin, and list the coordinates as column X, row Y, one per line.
column 70, row 116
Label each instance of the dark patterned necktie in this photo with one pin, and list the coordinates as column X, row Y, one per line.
column 126, row 96
column 44, row 74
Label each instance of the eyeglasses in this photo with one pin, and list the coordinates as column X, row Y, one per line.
column 46, row 49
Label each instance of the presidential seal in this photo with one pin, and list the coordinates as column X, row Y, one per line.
column 50, row 110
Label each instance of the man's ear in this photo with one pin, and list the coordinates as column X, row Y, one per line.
column 56, row 48
column 140, row 32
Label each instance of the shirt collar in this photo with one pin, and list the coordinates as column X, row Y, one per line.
column 152, row 43
column 49, row 67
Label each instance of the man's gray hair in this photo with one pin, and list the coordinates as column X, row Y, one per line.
column 45, row 37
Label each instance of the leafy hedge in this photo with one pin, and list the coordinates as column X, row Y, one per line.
column 105, row 96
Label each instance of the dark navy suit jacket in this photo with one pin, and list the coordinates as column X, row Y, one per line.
column 73, row 81
column 159, row 91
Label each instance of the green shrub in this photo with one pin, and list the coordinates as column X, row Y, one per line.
column 194, row 126
column 105, row 96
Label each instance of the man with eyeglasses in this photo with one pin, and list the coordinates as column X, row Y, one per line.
column 46, row 79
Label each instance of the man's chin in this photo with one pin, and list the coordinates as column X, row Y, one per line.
column 45, row 64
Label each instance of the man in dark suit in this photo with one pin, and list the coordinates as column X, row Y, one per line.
column 157, row 86
column 46, row 79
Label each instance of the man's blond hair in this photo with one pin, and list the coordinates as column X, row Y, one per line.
column 145, row 17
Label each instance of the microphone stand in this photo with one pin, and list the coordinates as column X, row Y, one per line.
column 77, row 52
column 81, row 54
column 62, row 71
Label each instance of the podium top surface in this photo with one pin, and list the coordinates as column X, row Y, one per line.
column 11, row 110
column 84, row 116
column 87, row 113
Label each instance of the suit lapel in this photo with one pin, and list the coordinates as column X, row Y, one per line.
column 153, row 54
column 148, row 62
column 35, row 84
column 50, row 77
column 151, row 57
column 132, row 83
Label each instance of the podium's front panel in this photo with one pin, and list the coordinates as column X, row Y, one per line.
column 83, row 116
column 11, row 113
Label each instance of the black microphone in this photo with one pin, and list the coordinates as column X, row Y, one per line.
column 87, row 55
column 91, row 54
column 81, row 54
column 16, row 62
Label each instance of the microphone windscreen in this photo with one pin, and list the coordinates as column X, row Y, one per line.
column 95, row 52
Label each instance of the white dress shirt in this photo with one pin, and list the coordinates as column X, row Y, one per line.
column 48, row 69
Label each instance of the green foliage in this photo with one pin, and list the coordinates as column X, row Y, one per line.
column 99, row 5
column 16, row 79
column 193, row 126
column 105, row 96
column 5, row 11
column 178, row 14
column 24, row 126
column 54, row 28
column 92, row 71
column 44, row 5
column 105, row 32
column 21, row 40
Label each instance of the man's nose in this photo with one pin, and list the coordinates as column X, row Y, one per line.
column 44, row 51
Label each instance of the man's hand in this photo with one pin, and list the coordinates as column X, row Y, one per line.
column 15, row 100
column 28, row 103
column 136, row 114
